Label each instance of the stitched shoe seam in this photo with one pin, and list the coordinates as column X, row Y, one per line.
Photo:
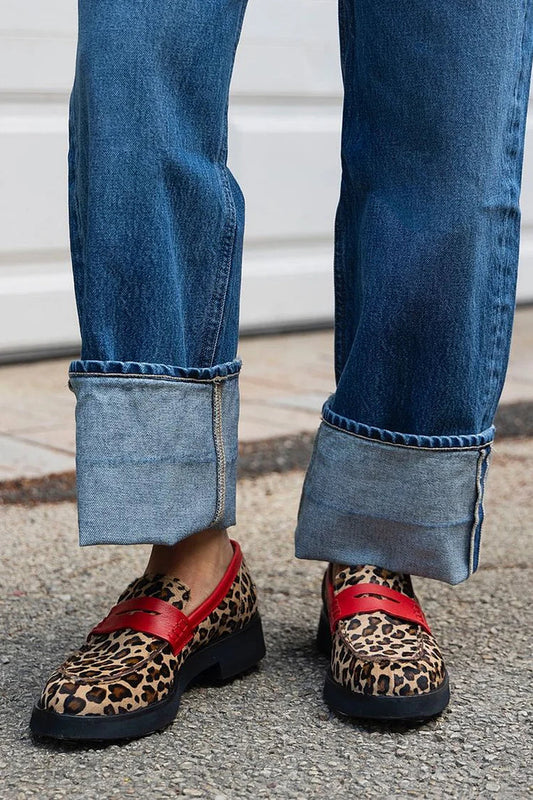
column 363, row 656
column 127, row 671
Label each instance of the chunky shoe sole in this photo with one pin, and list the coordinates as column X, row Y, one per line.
column 223, row 659
column 378, row 707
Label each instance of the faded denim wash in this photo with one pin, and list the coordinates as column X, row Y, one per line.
column 426, row 253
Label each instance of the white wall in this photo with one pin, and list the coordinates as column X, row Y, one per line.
column 284, row 142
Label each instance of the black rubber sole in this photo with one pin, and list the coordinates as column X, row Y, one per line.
column 222, row 660
column 378, row 707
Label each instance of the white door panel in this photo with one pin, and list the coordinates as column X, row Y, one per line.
column 284, row 150
column 33, row 179
column 36, row 64
column 30, row 16
column 290, row 194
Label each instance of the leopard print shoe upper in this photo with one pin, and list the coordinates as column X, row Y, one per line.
column 378, row 654
column 125, row 670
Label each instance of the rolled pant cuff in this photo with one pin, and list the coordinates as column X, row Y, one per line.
column 156, row 450
column 383, row 499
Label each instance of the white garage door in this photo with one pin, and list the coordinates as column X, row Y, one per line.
column 284, row 141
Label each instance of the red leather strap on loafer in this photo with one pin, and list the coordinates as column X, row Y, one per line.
column 149, row 615
column 163, row 620
column 367, row 598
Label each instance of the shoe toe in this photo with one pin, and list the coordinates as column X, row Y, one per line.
column 111, row 675
column 377, row 655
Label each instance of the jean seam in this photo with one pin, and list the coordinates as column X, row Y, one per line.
column 338, row 254
column 228, row 249
column 75, row 227
column 220, row 454
column 475, row 534
column 505, row 236
column 218, row 301
column 453, row 448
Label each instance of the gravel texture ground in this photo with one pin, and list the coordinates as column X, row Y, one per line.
column 268, row 735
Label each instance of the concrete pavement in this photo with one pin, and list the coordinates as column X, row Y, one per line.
column 269, row 735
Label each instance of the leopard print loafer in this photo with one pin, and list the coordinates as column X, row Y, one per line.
column 385, row 662
column 127, row 679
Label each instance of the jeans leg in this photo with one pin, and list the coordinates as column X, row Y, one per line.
column 427, row 236
column 156, row 225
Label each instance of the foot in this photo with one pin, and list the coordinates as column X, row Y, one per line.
column 385, row 662
column 127, row 679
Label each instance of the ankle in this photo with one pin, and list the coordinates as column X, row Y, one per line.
column 199, row 561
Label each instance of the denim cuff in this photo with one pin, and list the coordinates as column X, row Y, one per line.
column 156, row 450
column 405, row 502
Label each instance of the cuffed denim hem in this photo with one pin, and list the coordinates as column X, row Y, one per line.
column 411, row 504
column 136, row 369
column 156, row 450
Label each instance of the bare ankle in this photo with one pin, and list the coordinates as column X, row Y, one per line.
column 199, row 561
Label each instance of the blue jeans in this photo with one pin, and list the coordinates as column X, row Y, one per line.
column 426, row 252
